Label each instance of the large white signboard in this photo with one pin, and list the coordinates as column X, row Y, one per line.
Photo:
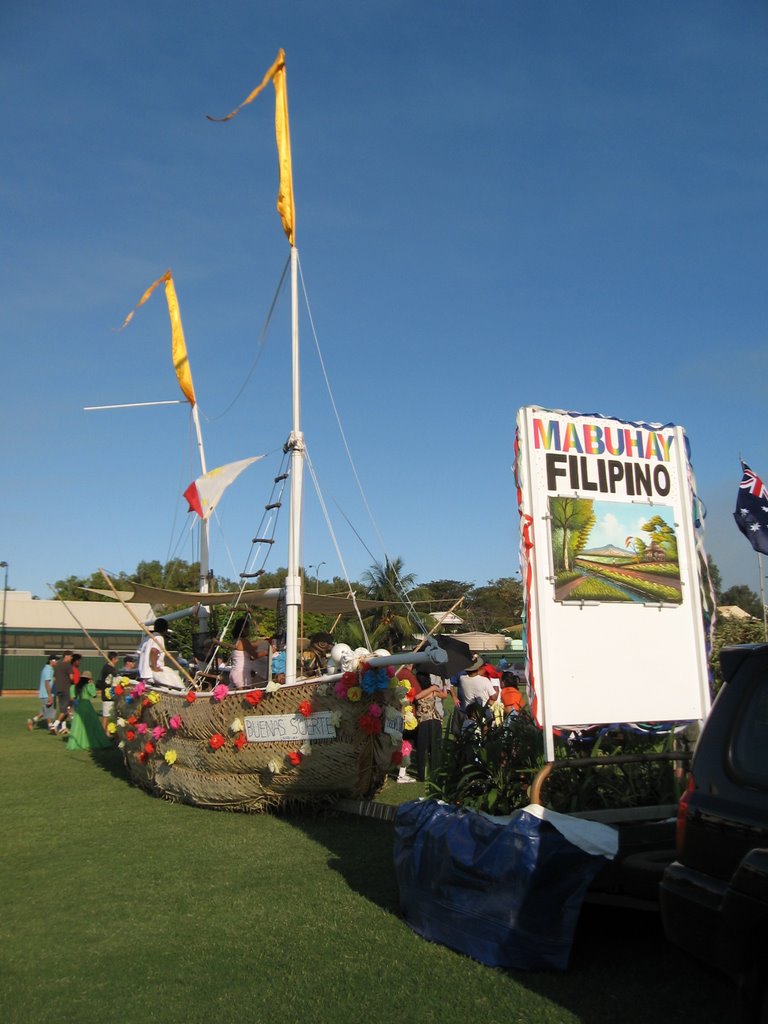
column 615, row 629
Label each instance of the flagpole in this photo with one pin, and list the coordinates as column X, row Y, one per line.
column 762, row 594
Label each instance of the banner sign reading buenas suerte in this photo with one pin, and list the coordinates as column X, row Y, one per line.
column 609, row 549
column 295, row 728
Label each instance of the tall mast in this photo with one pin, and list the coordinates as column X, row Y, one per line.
column 295, row 445
column 202, row 612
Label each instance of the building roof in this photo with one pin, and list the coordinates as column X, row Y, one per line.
column 447, row 618
column 482, row 641
column 732, row 611
column 24, row 612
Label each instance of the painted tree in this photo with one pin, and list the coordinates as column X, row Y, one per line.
column 637, row 545
column 572, row 520
column 663, row 534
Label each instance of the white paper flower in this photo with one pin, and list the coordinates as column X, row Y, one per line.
column 306, row 748
column 271, row 686
column 274, row 767
column 236, row 726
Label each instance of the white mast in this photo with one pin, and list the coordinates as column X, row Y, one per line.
column 202, row 613
column 295, row 445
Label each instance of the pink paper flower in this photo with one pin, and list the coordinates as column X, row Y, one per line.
column 375, row 710
column 220, row 691
column 175, row 722
column 138, row 689
column 142, row 728
column 407, row 748
column 158, row 732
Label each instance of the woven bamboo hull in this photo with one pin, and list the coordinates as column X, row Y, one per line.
column 255, row 776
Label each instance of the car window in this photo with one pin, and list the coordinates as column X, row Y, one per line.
column 749, row 745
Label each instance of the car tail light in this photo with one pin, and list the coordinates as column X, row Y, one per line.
column 682, row 815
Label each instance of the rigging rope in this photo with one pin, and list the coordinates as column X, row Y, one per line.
column 259, row 347
column 335, row 543
column 401, row 594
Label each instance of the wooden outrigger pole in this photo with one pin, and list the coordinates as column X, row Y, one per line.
column 144, row 629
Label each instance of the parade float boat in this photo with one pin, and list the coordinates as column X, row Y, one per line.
column 302, row 741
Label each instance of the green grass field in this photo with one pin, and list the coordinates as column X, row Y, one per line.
column 119, row 906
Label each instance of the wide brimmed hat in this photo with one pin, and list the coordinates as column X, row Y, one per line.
column 477, row 663
column 86, row 675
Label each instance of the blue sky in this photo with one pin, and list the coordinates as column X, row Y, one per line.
column 498, row 204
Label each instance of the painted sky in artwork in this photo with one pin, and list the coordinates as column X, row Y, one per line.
column 615, row 521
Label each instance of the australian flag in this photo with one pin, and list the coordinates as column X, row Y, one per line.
column 751, row 513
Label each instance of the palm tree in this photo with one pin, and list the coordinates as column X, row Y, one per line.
column 388, row 626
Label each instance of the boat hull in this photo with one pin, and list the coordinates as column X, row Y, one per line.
column 197, row 751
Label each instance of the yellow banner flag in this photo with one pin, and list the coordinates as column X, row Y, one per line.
column 178, row 345
column 276, row 75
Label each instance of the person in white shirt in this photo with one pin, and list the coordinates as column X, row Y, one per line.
column 475, row 688
column 152, row 668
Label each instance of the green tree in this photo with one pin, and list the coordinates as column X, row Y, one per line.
column 716, row 578
column 389, row 626
column 446, row 591
column 743, row 598
column 729, row 632
column 496, row 606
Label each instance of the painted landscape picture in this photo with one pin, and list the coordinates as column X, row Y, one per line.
column 614, row 551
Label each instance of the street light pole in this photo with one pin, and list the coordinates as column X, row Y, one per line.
column 317, row 575
column 3, row 565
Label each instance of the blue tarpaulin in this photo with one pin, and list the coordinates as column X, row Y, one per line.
column 506, row 893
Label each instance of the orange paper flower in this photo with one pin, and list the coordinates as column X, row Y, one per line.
column 216, row 741
column 305, row 708
column 130, row 734
column 191, row 697
column 143, row 756
column 294, row 757
column 254, row 698
column 149, row 747
column 240, row 741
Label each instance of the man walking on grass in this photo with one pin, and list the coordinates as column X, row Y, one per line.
column 45, row 693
